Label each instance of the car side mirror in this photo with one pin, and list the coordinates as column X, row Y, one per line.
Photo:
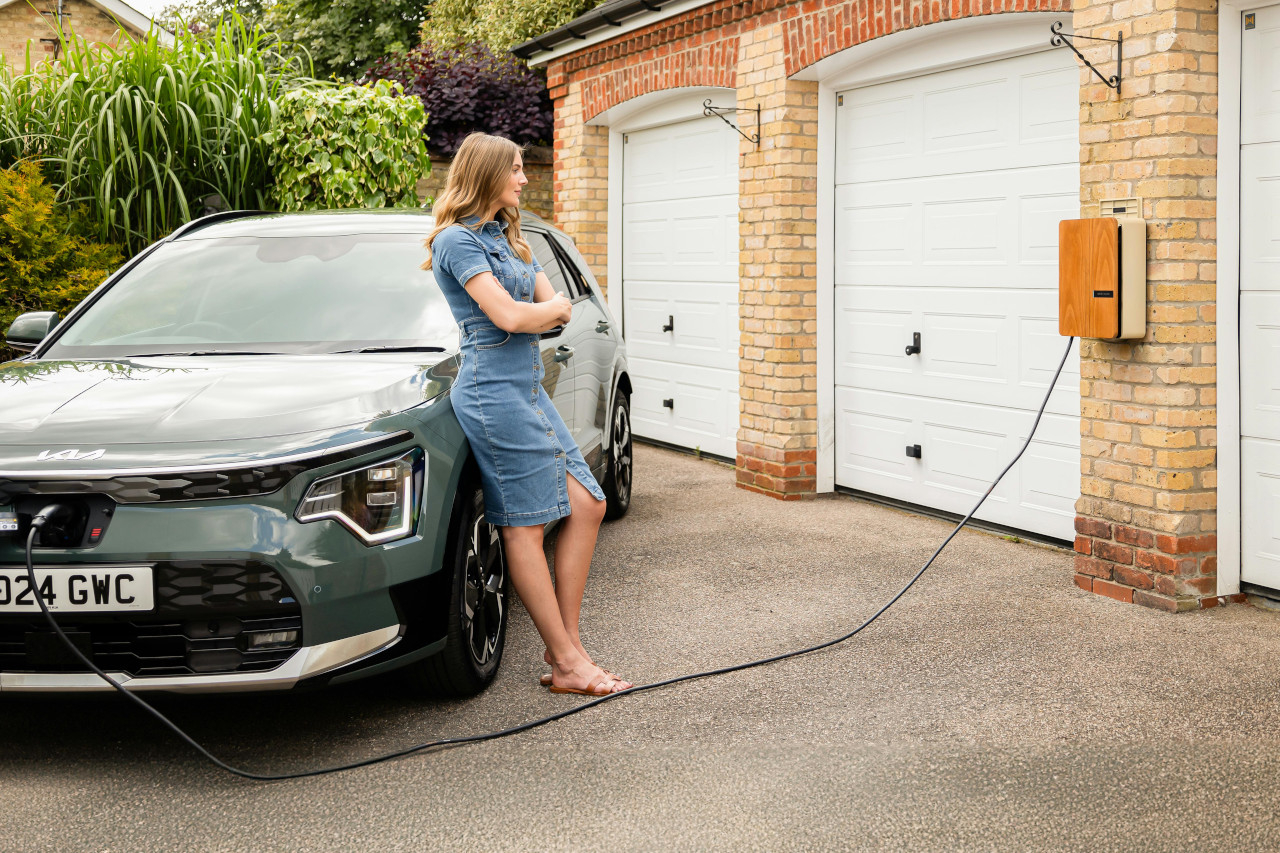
column 26, row 332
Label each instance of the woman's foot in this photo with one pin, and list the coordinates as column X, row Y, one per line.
column 545, row 680
column 584, row 682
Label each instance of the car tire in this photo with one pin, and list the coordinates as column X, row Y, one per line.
column 478, row 604
column 618, row 473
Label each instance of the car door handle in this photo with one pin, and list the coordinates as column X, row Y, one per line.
column 563, row 353
column 602, row 326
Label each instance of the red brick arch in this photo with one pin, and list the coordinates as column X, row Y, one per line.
column 702, row 65
column 700, row 47
column 816, row 29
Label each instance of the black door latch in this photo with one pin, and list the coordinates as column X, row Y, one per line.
column 671, row 324
column 669, row 403
column 913, row 450
column 914, row 347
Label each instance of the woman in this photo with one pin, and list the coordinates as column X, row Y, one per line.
column 531, row 470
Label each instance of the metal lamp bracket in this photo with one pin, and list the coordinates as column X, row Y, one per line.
column 708, row 110
column 1060, row 38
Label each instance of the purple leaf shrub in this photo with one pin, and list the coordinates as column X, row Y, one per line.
column 471, row 88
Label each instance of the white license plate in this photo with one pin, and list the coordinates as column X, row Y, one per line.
column 78, row 590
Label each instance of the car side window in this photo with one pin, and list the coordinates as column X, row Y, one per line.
column 571, row 260
column 550, row 263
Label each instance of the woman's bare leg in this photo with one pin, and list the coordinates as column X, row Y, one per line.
column 575, row 545
column 532, row 580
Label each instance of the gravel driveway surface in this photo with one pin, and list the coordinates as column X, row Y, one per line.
column 996, row 707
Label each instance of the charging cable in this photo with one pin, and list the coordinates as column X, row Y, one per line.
column 52, row 513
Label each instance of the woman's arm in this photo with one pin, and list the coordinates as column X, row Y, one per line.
column 519, row 317
column 542, row 289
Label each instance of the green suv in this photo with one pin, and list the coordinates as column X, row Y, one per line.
column 264, row 484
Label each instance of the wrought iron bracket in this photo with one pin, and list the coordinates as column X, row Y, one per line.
column 718, row 112
column 1060, row 38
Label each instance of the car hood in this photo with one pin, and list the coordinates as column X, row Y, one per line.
column 196, row 410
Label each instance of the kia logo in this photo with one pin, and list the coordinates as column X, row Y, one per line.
column 72, row 455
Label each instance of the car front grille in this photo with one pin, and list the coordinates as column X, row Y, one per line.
column 207, row 614
column 142, row 648
column 163, row 488
column 222, row 586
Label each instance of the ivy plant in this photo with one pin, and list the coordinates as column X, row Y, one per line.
column 348, row 146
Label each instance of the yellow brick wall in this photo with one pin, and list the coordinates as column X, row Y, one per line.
column 20, row 24
column 1147, row 517
column 777, row 448
column 582, row 181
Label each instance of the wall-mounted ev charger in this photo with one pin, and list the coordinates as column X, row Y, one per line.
column 1102, row 274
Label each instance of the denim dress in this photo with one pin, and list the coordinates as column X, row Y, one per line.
column 520, row 442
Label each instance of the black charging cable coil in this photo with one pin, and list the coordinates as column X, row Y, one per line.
column 51, row 513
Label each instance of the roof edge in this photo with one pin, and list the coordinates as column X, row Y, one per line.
column 604, row 22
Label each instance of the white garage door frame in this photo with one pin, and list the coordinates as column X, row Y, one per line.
column 644, row 112
column 1228, row 291
column 920, row 50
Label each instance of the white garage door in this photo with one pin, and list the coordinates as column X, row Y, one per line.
column 949, row 190
column 1260, row 301
column 680, row 283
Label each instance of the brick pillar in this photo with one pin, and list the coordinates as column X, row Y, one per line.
column 581, row 186
column 778, row 313
column 1147, row 515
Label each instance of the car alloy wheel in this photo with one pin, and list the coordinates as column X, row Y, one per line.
column 476, row 615
column 617, row 483
column 484, row 598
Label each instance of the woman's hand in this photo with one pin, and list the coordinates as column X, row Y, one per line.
column 563, row 307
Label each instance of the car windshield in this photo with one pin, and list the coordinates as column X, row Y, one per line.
column 268, row 295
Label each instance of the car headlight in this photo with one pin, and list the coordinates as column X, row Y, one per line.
column 376, row 502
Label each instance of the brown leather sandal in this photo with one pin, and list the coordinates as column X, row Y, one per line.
column 603, row 684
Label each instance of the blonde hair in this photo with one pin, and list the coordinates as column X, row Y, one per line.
column 478, row 175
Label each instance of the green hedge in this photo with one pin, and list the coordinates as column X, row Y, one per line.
column 348, row 147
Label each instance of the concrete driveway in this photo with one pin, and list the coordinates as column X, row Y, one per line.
column 997, row 707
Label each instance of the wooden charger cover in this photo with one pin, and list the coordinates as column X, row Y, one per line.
column 1089, row 278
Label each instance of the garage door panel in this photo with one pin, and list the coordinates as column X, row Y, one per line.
column 998, row 229
column 998, row 115
column 1042, row 116
column 694, row 240
column 966, row 231
column 963, row 449
column 873, row 234
column 1260, row 350
column 966, row 353
column 1260, row 228
column 1260, row 507
column 704, row 411
column 1039, row 352
column 681, row 161
column 705, row 317
column 1260, row 55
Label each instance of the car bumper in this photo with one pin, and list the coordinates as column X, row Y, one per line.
column 307, row 662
